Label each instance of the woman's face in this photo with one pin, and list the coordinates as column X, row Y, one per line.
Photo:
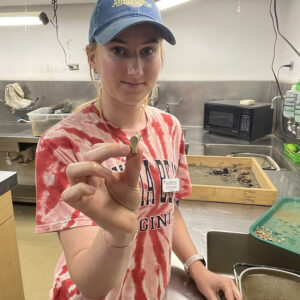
column 129, row 65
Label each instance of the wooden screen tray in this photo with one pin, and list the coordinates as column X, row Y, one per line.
column 265, row 195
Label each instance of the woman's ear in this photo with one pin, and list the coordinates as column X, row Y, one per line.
column 91, row 56
column 87, row 49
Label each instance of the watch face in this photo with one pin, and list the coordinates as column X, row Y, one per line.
column 203, row 261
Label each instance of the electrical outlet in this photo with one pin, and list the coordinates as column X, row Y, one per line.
column 74, row 67
column 291, row 66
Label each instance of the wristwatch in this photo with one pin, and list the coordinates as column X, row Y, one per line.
column 192, row 259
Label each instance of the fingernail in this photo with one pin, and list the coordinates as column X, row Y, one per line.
column 124, row 148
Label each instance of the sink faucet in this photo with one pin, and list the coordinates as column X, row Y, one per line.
column 289, row 124
column 167, row 108
column 273, row 101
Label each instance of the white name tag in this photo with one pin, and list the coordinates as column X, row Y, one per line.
column 170, row 185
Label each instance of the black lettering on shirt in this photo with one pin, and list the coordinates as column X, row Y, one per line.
column 155, row 222
column 161, row 220
column 162, row 176
column 143, row 191
column 144, row 224
column 150, row 190
column 152, row 222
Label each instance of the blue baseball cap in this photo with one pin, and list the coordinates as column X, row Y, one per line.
column 111, row 17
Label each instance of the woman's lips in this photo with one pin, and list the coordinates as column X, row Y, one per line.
column 133, row 84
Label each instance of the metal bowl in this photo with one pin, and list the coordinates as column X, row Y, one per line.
column 262, row 283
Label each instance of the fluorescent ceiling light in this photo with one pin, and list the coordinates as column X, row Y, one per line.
column 164, row 4
column 23, row 18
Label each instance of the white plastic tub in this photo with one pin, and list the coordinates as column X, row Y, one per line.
column 43, row 118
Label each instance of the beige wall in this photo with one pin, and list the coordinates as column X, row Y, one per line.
column 291, row 29
column 214, row 42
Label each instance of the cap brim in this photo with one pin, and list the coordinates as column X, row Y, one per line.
column 120, row 25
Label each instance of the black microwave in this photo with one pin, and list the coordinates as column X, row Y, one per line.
column 229, row 117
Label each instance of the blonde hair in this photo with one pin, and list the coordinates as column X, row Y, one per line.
column 97, row 84
column 91, row 49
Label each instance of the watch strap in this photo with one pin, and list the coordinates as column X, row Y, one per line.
column 192, row 259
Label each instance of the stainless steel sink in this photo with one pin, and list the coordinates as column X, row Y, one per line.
column 247, row 150
column 224, row 249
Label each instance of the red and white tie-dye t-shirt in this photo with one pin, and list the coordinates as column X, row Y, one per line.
column 164, row 157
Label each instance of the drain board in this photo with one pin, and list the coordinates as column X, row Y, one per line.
column 265, row 161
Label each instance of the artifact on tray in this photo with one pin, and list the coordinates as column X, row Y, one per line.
column 230, row 179
column 223, row 176
column 280, row 225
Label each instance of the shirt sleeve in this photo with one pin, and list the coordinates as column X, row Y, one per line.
column 52, row 214
column 182, row 171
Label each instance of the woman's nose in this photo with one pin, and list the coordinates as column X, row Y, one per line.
column 135, row 66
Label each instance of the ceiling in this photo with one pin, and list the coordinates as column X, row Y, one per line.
column 43, row 2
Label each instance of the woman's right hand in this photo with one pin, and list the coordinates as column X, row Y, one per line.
column 111, row 199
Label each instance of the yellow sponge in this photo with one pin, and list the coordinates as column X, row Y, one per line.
column 247, row 102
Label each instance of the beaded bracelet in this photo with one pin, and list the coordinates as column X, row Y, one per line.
column 112, row 246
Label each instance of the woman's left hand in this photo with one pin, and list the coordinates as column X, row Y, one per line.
column 209, row 284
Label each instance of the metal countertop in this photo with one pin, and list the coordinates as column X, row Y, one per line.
column 202, row 217
column 17, row 132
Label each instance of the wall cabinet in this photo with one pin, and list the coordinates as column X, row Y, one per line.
column 11, row 286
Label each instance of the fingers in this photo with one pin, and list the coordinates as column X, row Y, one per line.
column 236, row 292
column 74, row 194
column 228, row 293
column 76, row 171
column 133, row 168
column 221, row 286
column 102, row 152
column 211, row 296
column 79, row 172
column 231, row 291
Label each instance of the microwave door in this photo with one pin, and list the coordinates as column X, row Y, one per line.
column 222, row 121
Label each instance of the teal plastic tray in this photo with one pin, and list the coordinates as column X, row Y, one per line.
column 282, row 222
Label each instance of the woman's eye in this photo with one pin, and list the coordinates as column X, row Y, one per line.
column 148, row 51
column 119, row 51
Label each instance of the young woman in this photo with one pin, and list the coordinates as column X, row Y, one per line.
column 116, row 221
